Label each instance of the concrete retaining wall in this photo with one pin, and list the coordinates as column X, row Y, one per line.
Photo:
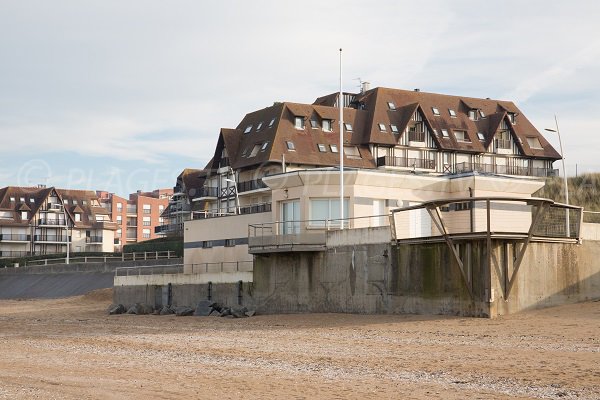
column 424, row 278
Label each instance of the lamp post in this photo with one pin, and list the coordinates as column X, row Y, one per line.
column 562, row 154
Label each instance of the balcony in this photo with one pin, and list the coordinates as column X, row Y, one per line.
column 51, row 222
column 247, row 186
column 168, row 229
column 207, row 192
column 414, row 136
column 12, row 237
column 249, row 209
column 503, row 144
column 14, row 254
column 389, row 161
column 505, row 170
column 93, row 239
column 51, row 239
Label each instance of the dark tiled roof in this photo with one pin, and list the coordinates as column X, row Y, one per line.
column 39, row 195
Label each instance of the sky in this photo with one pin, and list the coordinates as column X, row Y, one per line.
column 123, row 95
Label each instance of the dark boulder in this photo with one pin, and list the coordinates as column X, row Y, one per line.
column 115, row 309
column 204, row 308
column 166, row 310
column 184, row 311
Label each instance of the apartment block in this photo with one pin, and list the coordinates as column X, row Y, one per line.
column 40, row 220
column 138, row 216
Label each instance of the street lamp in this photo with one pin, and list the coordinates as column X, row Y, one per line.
column 562, row 155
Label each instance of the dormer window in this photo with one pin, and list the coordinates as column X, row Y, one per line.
column 290, row 146
column 12, row 199
column 327, row 125
column 481, row 113
column 382, row 127
column 473, row 115
column 480, row 136
column 461, row 136
column 255, row 150
column 272, row 122
column 299, row 122
column 260, row 124
column 248, row 129
column 534, row 143
column 445, row 133
column 391, row 105
column 314, row 123
column 77, row 217
column 512, row 117
column 452, row 113
column 436, row 111
column 24, row 215
column 348, row 126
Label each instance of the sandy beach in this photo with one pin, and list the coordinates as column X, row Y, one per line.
column 71, row 349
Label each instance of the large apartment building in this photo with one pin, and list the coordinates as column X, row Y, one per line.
column 399, row 147
column 40, row 220
column 137, row 217
column 181, row 205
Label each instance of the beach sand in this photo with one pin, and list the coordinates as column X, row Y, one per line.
column 71, row 349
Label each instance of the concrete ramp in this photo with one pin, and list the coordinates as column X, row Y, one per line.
column 50, row 286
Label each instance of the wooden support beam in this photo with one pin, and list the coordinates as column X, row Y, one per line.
column 536, row 219
column 439, row 223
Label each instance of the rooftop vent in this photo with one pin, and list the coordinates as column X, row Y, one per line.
column 417, row 90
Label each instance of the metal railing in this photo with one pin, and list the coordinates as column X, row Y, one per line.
column 592, row 217
column 390, row 161
column 537, row 218
column 416, row 136
column 50, row 238
column 306, row 233
column 503, row 143
column 13, row 254
column 223, row 212
column 504, row 169
column 149, row 255
column 251, row 185
column 52, row 222
column 93, row 239
column 213, row 267
column 15, row 237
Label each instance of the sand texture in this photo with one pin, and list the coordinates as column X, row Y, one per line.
column 71, row 349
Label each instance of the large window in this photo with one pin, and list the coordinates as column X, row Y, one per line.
column 327, row 211
column 290, row 217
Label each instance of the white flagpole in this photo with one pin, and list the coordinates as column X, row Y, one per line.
column 341, row 106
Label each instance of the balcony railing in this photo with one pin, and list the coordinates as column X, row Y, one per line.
column 249, row 209
column 505, row 169
column 51, row 222
column 168, row 228
column 208, row 191
column 93, row 239
column 250, row 185
column 390, row 161
column 14, row 254
column 503, row 143
column 50, row 238
column 416, row 136
column 12, row 237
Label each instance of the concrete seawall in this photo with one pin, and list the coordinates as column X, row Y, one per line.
column 61, row 280
column 417, row 278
